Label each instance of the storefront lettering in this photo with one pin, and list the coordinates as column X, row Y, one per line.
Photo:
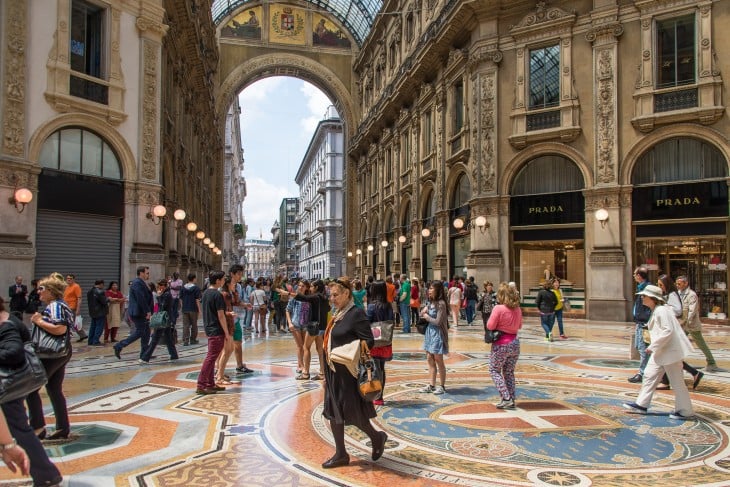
column 686, row 201
column 546, row 209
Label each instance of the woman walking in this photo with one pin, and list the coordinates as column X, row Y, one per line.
column 114, row 317
column 436, row 340
column 507, row 318
column 546, row 303
column 669, row 346
column 380, row 310
column 559, row 306
column 415, row 303
column 56, row 319
column 455, row 297
column 228, row 292
column 343, row 404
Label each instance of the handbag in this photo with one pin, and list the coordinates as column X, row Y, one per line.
column 415, row 303
column 17, row 383
column 566, row 304
column 491, row 336
column 646, row 335
column 369, row 377
column 159, row 320
column 421, row 325
column 347, row 355
column 382, row 332
column 48, row 345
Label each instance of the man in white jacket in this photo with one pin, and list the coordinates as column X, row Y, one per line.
column 669, row 346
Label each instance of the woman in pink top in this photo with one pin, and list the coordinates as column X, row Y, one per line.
column 507, row 318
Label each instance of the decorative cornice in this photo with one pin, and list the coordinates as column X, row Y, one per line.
column 611, row 30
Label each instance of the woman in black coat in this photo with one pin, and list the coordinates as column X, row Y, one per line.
column 342, row 401
column 546, row 302
column 318, row 309
column 13, row 333
column 164, row 303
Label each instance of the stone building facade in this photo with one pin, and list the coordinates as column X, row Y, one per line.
column 514, row 140
column 107, row 111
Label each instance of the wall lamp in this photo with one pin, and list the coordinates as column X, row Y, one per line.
column 370, row 248
column 480, row 222
column 358, row 251
column 426, row 232
column 349, row 254
column 384, row 243
column 206, row 240
column 157, row 214
column 602, row 216
column 20, row 198
column 402, row 239
column 200, row 235
column 192, row 226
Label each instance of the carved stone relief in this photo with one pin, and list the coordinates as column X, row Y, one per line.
column 150, row 111
column 605, row 118
column 14, row 82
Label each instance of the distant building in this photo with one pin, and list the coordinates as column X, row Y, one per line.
column 320, row 188
column 285, row 236
column 259, row 257
column 234, row 190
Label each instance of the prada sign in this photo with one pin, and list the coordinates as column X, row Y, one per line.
column 672, row 201
column 547, row 209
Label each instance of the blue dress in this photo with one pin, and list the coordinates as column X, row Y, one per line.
column 433, row 341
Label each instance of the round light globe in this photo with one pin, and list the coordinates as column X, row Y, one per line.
column 23, row 195
column 159, row 211
column 459, row 223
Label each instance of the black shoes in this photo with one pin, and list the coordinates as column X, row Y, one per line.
column 697, row 379
column 636, row 379
column 379, row 448
column 336, row 461
column 58, row 435
column 205, row 391
column 118, row 353
column 244, row 370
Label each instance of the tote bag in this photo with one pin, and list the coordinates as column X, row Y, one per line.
column 47, row 345
column 18, row 382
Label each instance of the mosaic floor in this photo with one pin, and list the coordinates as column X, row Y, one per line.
column 143, row 425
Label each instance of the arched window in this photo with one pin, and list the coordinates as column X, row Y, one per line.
column 548, row 174
column 80, row 151
column 429, row 209
column 462, row 192
column 679, row 159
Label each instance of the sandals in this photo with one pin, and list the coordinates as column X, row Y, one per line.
column 317, row 377
column 302, row 376
column 224, row 382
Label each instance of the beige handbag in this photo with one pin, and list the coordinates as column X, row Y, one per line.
column 347, row 355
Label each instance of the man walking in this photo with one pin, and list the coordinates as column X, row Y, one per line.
column 691, row 320
column 72, row 296
column 214, row 321
column 98, row 309
column 176, row 285
column 641, row 317
column 404, row 302
column 190, row 296
column 18, row 297
column 470, row 294
column 139, row 311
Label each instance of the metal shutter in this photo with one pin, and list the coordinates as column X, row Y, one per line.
column 88, row 246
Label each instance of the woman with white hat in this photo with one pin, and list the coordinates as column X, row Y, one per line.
column 669, row 346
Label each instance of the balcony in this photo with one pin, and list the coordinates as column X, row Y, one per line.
column 308, row 206
column 321, row 226
column 321, row 187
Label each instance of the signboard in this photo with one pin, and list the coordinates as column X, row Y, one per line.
column 680, row 201
column 547, row 209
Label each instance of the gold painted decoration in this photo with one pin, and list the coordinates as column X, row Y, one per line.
column 245, row 25
column 287, row 25
column 326, row 33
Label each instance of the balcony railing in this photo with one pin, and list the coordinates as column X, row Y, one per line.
column 675, row 100
column 543, row 120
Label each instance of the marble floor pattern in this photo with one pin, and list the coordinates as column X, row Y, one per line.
column 143, row 425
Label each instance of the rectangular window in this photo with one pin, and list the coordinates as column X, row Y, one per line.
column 458, row 107
column 87, row 50
column 545, row 77
column 427, row 133
column 675, row 51
column 405, row 151
column 388, row 167
column 70, row 150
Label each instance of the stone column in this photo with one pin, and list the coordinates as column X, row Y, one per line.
column 605, row 258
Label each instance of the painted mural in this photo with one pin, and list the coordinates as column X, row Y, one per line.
column 287, row 25
column 245, row 25
column 326, row 33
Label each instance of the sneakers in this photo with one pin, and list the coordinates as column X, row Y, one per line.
column 712, row 368
column 634, row 408
column 428, row 389
column 636, row 379
column 244, row 370
column 144, row 362
column 378, row 402
column 563, row 337
column 549, row 337
column 439, row 390
column 680, row 416
column 506, row 404
column 118, row 353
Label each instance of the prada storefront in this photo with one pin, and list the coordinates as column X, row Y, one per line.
column 681, row 227
column 547, row 228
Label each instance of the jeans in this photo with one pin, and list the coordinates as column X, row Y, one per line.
column 169, row 340
column 702, row 345
column 405, row 313
column 56, row 371
column 215, row 347
column 559, row 319
column 641, row 347
column 547, row 320
column 248, row 317
column 96, row 329
column 190, row 327
column 42, row 469
column 141, row 331
column 471, row 306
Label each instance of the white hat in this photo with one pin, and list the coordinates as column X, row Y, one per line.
column 653, row 292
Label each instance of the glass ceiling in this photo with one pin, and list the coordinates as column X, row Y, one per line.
column 357, row 16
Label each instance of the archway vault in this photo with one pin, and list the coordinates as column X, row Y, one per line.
column 246, row 70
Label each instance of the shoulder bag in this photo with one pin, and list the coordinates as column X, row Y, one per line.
column 369, row 377
column 48, row 345
column 382, row 332
column 17, row 383
column 491, row 336
column 421, row 325
column 159, row 319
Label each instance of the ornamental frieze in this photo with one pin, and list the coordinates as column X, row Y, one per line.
column 14, row 90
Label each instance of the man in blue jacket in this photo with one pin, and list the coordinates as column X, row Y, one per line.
column 641, row 317
column 139, row 311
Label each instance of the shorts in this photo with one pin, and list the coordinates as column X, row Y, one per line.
column 237, row 331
